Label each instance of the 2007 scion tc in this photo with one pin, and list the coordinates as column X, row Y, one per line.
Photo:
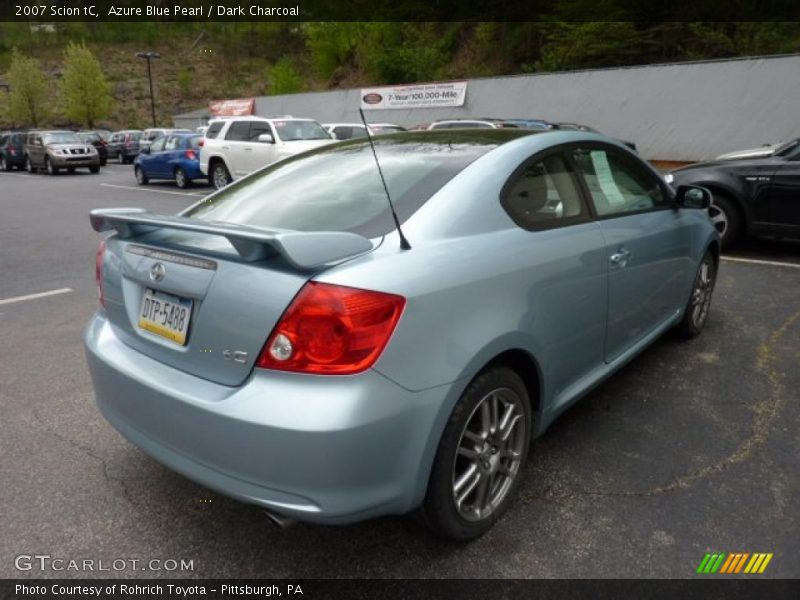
column 275, row 341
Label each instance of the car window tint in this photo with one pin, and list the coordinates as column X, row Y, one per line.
column 616, row 185
column 214, row 129
column 172, row 143
column 545, row 194
column 257, row 128
column 158, row 145
column 238, row 131
column 289, row 131
column 343, row 133
column 338, row 188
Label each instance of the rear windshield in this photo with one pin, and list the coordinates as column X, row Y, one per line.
column 290, row 131
column 214, row 129
column 338, row 188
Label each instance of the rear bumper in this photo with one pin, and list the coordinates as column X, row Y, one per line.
column 321, row 449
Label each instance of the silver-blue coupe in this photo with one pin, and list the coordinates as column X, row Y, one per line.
column 348, row 333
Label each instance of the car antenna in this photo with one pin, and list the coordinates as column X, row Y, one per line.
column 403, row 241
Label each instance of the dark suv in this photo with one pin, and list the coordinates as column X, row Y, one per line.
column 95, row 139
column 12, row 149
column 124, row 145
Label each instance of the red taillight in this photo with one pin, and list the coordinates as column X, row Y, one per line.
column 333, row 330
column 190, row 154
column 201, row 142
column 98, row 272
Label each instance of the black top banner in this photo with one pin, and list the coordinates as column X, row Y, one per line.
column 392, row 10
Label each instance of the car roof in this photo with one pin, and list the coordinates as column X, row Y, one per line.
column 259, row 118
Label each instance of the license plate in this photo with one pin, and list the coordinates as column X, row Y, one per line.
column 165, row 315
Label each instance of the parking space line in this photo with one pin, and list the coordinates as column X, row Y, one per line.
column 34, row 296
column 144, row 189
column 753, row 261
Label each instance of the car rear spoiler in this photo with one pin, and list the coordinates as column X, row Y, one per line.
column 301, row 249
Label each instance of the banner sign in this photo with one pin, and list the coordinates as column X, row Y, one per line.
column 420, row 95
column 232, row 108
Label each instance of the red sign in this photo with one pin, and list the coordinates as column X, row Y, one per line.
column 232, row 108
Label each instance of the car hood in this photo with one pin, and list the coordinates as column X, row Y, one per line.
column 728, row 164
column 70, row 146
column 749, row 153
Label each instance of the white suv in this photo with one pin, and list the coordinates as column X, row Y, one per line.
column 236, row 146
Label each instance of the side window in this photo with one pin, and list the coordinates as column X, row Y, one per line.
column 257, row 128
column 158, row 145
column 545, row 194
column 616, row 185
column 238, row 131
column 343, row 133
column 214, row 129
column 172, row 142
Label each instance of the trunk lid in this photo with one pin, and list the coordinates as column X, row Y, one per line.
column 239, row 281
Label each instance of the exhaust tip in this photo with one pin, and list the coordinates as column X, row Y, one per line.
column 281, row 521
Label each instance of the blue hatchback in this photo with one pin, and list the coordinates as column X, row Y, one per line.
column 175, row 156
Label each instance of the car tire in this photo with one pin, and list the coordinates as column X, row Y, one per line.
column 94, row 170
column 4, row 166
column 29, row 165
column 727, row 219
column 141, row 178
column 48, row 166
column 480, row 456
column 220, row 177
column 121, row 158
column 695, row 314
column 181, row 180
column 70, row 170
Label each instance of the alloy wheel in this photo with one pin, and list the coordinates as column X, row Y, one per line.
column 701, row 294
column 489, row 454
column 180, row 178
column 719, row 219
column 220, row 177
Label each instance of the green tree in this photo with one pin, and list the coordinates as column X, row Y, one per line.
column 87, row 95
column 30, row 92
column 283, row 78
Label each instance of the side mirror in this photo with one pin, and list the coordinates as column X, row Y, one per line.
column 266, row 138
column 144, row 150
column 693, row 196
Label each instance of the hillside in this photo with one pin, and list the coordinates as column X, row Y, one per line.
column 200, row 62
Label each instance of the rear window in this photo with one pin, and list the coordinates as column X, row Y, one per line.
column 338, row 188
column 194, row 141
column 214, row 129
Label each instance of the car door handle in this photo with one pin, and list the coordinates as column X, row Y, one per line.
column 248, row 149
column 226, row 148
column 620, row 257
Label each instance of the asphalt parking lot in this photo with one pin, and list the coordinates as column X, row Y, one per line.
column 692, row 448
